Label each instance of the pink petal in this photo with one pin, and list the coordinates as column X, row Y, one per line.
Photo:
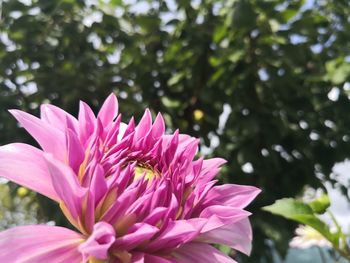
column 57, row 117
column 210, row 168
column 144, row 125
column 101, row 239
column 109, row 110
column 138, row 258
column 156, row 215
column 147, row 258
column 199, row 252
column 75, row 151
column 138, row 233
column 158, row 127
column 157, row 259
column 203, row 253
column 88, row 216
column 98, row 186
column 170, row 144
column 233, row 195
column 221, row 215
column 50, row 138
column 190, row 150
column 113, row 132
column 87, row 122
column 122, row 128
column 237, row 236
column 66, row 185
column 26, row 165
column 40, row 244
column 176, row 233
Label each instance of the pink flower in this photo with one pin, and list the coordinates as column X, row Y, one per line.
column 133, row 193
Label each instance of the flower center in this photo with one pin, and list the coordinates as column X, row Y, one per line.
column 146, row 171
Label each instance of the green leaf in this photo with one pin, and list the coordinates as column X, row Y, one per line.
column 289, row 14
column 302, row 213
column 170, row 103
column 274, row 25
column 338, row 70
column 236, row 56
column 320, row 205
column 176, row 78
column 289, row 208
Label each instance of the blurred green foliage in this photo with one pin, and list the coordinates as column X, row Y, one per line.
column 17, row 207
column 264, row 84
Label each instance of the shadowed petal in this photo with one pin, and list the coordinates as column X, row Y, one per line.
column 176, row 233
column 40, row 244
column 237, row 236
column 147, row 258
column 75, row 151
column 26, row 165
column 98, row 186
column 203, row 253
column 156, row 259
column 138, row 233
column 87, row 121
column 66, row 185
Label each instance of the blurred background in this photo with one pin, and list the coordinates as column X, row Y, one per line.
column 263, row 84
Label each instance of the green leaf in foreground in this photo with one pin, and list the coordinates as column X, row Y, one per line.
column 302, row 213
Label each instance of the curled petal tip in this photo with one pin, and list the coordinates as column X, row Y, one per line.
column 99, row 242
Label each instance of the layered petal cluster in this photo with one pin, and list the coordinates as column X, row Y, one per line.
column 133, row 193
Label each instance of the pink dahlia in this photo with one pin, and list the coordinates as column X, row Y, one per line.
column 133, row 193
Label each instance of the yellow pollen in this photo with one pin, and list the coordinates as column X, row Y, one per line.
column 146, row 171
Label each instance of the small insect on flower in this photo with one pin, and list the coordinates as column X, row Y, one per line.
column 132, row 192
